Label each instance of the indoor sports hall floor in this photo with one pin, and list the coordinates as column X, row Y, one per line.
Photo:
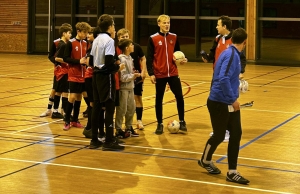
column 37, row 156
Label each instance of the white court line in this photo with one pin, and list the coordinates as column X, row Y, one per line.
column 36, row 126
column 160, row 149
column 27, row 72
column 145, row 175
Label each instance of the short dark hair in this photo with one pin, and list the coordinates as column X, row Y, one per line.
column 96, row 31
column 239, row 36
column 64, row 28
column 104, row 22
column 226, row 21
column 124, row 43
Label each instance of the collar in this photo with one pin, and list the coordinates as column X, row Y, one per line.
column 163, row 33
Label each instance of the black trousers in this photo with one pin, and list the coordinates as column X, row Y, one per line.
column 222, row 120
column 175, row 86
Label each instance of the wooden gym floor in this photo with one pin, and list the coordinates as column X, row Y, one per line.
column 37, row 156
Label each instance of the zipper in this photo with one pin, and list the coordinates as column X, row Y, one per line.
column 168, row 65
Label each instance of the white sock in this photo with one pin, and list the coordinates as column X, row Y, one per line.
column 232, row 171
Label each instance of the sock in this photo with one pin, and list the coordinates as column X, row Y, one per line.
column 56, row 102
column 139, row 113
column 232, row 171
column 64, row 102
column 68, row 112
column 50, row 103
column 89, row 122
column 101, row 123
column 76, row 110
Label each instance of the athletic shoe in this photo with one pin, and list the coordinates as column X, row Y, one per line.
column 56, row 115
column 67, row 126
column 112, row 146
column 236, row 178
column 87, row 133
column 101, row 138
column 46, row 113
column 227, row 136
column 118, row 141
column 140, row 125
column 182, row 128
column 122, row 134
column 211, row 168
column 76, row 124
column 159, row 129
column 248, row 104
column 95, row 144
column 132, row 132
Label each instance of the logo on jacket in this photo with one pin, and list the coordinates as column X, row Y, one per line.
column 171, row 41
column 76, row 48
column 159, row 43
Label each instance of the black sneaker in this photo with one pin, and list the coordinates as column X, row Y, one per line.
column 122, row 134
column 101, row 137
column 160, row 129
column 132, row 132
column 112, row 146
column 236, row 178
column 182, row 128
column 118, row 141
column 248, row 104
column 57, row 115
column 211, row 168
column 95, row 144
column 87, row 133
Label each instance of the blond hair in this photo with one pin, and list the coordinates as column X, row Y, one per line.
column 163, row 17
column 122, row 31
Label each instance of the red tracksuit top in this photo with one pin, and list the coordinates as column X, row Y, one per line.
column 75, row 50
column 160, row 54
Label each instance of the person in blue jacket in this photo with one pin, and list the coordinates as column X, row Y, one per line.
column 224, row 108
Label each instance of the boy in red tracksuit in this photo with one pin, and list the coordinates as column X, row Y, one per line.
column 75, row 56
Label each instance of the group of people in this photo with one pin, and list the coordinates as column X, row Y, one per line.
column 112, row 77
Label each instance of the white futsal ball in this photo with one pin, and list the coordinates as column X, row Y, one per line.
column 243, row 86
column 179, row 56
column 173, row 126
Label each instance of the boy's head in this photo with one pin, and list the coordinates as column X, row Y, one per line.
column 126, row 46
column 90, row 35
column 82, row 29
column 67, row 24
column 239, row 36
column 224, row 25
column 106, row 24
column 123, row 33
column 96, row 31
column 163, row 21
column 65, row 31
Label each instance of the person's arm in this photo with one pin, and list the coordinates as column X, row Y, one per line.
column 60, row 53
column 52, row 52
column 142, row 61
column 67, row 55
column 126, row 76
column 212, row 53
column 150, row 57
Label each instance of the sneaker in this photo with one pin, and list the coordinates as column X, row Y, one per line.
column 211, row 168
column 122, row 134
column 85, row 113
column 140, row 125
column 182, row 128
column 132, row 132
column 118, row 141
column 87, row 133
column 160, row 129
column 67, row 126
column 112, row 146
column 76, row 124
column 101, row 138
column 227, row 136
column 56, row 115
column 95, row 144
column 236, row 178
column 46, row 113
column 248, row 104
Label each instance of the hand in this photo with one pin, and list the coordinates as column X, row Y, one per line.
column 204, row 60
column 137, row 75
column 241, row 76
column 185, row 60
column 122, row 66
column 153, row 79
column 83, row 60
column 236, row 106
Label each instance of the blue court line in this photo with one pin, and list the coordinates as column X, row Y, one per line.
column 262, row 135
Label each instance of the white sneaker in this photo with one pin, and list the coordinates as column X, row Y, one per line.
column 46, row 113
column 227, row 135
column 139, row 125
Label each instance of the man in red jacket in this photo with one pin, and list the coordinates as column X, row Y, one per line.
column 162, row 70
